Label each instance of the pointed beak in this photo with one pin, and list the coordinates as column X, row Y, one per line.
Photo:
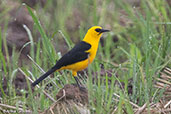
column 104, row 30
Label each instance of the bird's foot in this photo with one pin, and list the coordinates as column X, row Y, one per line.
column 82, row 88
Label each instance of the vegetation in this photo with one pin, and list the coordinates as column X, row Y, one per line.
column 133, row 54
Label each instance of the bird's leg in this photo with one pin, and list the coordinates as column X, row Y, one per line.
column 74, row 73
column 78, row 82
column 82, row 88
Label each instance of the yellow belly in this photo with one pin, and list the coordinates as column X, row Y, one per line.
column 82, row 64
column 77, row 66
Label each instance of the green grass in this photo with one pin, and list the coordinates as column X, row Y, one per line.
column 142, row 51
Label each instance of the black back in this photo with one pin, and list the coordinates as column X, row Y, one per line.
column 75, row 55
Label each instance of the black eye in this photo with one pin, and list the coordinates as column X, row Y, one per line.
column 97, row 30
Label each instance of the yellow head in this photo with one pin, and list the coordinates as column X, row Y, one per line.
column 94, row 33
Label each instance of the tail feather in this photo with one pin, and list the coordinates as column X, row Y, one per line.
column 44, row 76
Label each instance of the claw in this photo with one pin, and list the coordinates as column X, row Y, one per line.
column 82, row 88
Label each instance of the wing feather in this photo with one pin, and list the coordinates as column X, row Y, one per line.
column 76, row 54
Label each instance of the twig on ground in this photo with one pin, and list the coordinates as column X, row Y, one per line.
column 164, row 81
column 167, row 70
column 15, row 108
column 51, row 98
column 166, row 105
column 128, row 101
column 62, row 95
column 141, row 109
column 51, row 108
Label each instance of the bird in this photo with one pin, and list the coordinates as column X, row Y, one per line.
column 79, row 57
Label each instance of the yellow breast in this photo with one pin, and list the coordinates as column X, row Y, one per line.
column 92, row 51
column 82, row 64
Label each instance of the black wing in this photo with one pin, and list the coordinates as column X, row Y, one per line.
column 76, row 54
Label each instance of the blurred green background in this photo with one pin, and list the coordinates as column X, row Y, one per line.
column 34, row 34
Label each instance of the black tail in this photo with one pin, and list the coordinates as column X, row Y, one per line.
column 44, row 76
